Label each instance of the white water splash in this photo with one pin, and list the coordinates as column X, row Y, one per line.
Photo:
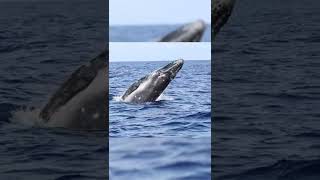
column 27, row 116
column 164, row 97
column 118, row 98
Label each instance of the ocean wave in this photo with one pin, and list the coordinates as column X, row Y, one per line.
column 160, row 158
column 281, row 170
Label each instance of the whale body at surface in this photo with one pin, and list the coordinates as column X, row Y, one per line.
column 151, row 86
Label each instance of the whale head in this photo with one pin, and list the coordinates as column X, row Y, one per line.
column 150, row 87
column 191, row 32
column 221, row 12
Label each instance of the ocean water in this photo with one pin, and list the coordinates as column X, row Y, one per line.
column 183, row 110
column 266, row 77
column 157, row 158
column 147, row 33
column 41, row 43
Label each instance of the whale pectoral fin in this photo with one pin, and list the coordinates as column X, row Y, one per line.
column 133, row 87
column 78, row 81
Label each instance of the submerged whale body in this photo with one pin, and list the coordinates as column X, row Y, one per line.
column 151, row 86
column 191, row 32
column 81, row 101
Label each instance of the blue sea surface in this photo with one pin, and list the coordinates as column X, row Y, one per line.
column 183, row 110
column 37, row 153
column 157, row 158
column 147, row 33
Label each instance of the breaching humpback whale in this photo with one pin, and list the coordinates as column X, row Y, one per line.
column 221, row 12
column 191, row 32
column 150, row 87
column 81, row 102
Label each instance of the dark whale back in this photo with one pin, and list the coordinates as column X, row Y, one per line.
column 134, row 87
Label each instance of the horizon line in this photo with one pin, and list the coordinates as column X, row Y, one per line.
column 160, row 24
column 160, row 60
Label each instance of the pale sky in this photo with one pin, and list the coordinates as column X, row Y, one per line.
column 143, row 12
column 155, row 51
